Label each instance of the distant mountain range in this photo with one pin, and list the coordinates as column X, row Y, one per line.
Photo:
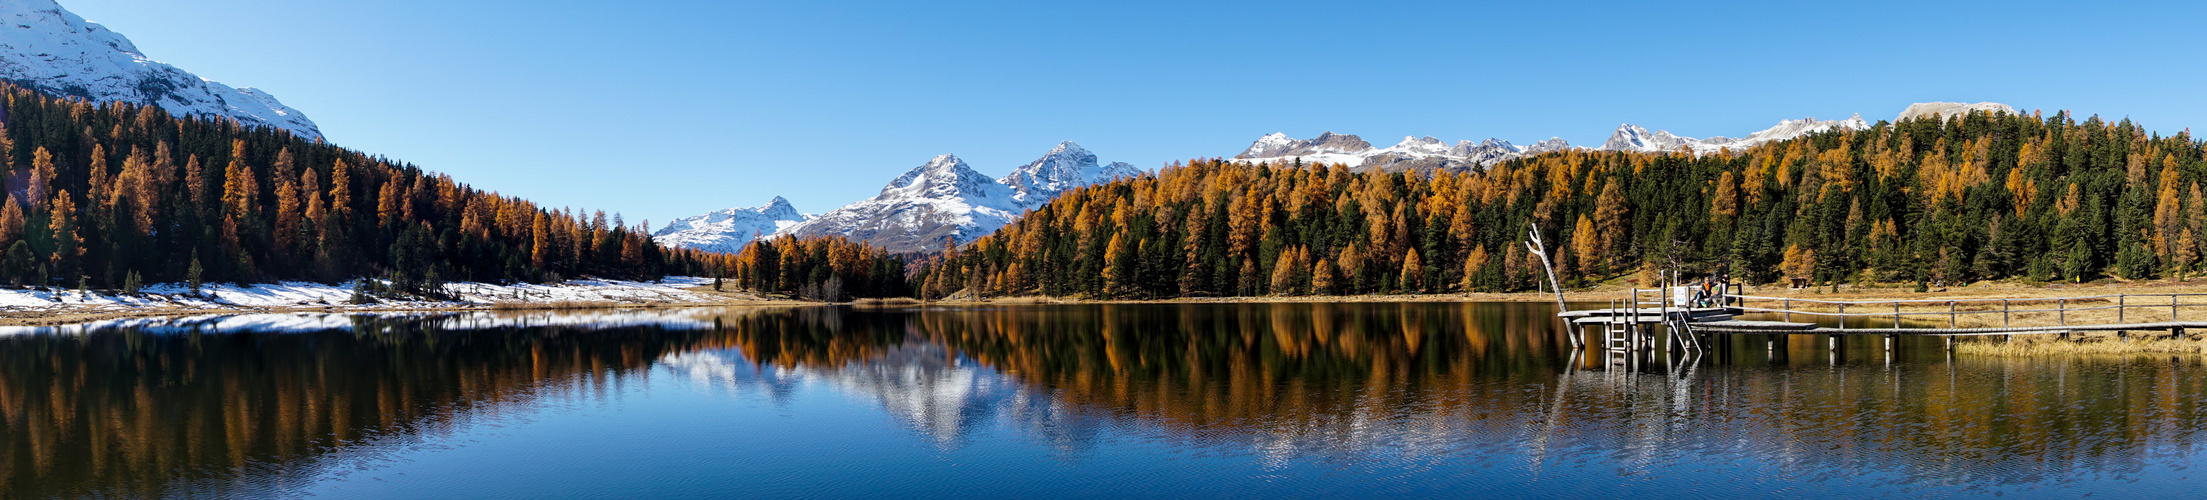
column 1429, row 154
column 726, row 231
column 945, row 198
column 49, row 49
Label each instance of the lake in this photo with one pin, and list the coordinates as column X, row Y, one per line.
column 1207, row 400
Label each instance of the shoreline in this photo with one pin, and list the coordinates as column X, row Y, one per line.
column 50, row 307
column 57, row 308
column 1604, row 293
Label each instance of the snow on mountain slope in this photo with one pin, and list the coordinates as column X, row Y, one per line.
column 1428, row 154
column 1948, row 110
column 1629, row 137
column 1413, row 153
column 1065, row 167
column 942, row 199
column 728, row 230
column 47, row 48
column 948, row 199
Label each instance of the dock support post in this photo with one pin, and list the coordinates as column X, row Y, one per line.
column 1950, row 314
column 2120, row 301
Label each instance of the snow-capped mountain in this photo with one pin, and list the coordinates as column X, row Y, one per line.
column 1629, row 137
column 1428, row 154
column 728, row 230
column 1065, row 167
column 1948, row 110
column 1413, row 153
column 942, row 199
column 49, row 49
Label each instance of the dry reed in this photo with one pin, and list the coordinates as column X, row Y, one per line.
column 2044, row 347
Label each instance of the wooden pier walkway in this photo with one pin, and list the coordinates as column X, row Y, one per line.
column 1627, row 325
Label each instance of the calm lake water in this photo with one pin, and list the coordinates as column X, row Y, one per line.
column 1262, row 400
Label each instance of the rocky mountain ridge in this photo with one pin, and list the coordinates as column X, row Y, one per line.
column 1429, row 154
column 942, row 199
column 727, row 230
column 49, row 49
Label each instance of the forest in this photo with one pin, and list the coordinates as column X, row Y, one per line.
column 816, row 268
column 116, row 196
column 1929, row 202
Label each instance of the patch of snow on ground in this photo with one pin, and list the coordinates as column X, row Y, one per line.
column 311, row 294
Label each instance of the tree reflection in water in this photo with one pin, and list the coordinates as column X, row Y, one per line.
column 252, row 407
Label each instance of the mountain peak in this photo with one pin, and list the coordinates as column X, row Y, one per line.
column 1949, row 110
column 728, row 230
column 1629, row 137
column 942, row 177
column 1065, row 167
column 54, row 51
column 780, row 209
column 1068, row 147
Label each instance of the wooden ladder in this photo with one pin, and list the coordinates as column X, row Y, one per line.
column 1617, row 333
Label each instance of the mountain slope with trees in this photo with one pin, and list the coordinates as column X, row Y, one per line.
column 115, row 195
column 1984, row 195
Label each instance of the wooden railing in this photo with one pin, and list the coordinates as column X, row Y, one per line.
column 1900, row 310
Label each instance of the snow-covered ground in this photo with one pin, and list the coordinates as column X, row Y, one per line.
column 296, row 322
column 225, row 296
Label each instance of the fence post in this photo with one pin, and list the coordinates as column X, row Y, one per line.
column 2063, row 306
column 1789, row 309
column 2005, row 313
column 1842, row 316
column 1950, row 318
column 1896, row 317
column 2120, row 302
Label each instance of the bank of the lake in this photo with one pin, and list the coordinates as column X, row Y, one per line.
column 42, row 306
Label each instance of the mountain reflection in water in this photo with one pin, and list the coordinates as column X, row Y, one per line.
column 1248, row 399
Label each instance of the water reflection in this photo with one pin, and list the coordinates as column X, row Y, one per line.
column 245, row 405
column 1462, row 398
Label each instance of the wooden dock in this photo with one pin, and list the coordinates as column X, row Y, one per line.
column 1628, row 325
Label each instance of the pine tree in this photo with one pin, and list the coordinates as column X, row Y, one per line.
column 1413, row 272
column 1249, row 284
column 1474, row 261
column 11, row 221
column 1321, row 278
column 1283, row 274
column 63, row 222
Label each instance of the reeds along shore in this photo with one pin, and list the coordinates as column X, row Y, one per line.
column 2151, row 343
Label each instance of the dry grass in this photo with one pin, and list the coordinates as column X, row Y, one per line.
column 892, row 301
column 1032, row 299
column 2046, row 346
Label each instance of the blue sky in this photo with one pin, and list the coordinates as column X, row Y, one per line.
column 661, row 109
